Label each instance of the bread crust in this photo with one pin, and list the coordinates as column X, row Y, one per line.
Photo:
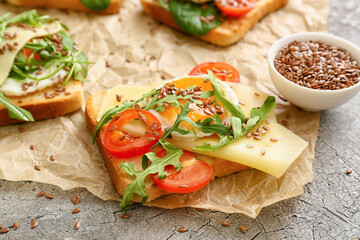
column 43, row 108
column 119, row 177
column 229, row 32
column 114, row 6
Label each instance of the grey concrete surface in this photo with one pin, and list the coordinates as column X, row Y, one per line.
column 329, row 208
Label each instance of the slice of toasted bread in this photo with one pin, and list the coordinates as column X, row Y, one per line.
column 229, row 32
column 114, row 6
column 120, row 178
column 50, row 102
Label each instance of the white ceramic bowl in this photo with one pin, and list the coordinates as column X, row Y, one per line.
column 307, row 98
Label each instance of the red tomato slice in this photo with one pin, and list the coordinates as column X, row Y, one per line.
column 235, row 8
column 27, row 53
column 223, row 71
column 194, row 175
column 121, row 144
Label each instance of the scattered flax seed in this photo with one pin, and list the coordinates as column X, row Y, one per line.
column 128, row 61
column 255, row 134
column 250, row 146
column 16, row 225
column 77, row 225
column 122, row 137
column 48, row 196
column 266, row 128
column 242, row 229
column 349, row 171
column 163, row 77
column 76, row 210
column 267, row 120
column 1, row 227
column 225, row 224
column 284, row 122
column 75, row 200
column 32, row 147
column 34, row 224
column 118, row 97
column 248, row 135
column 37, row 168
column 67, row 93
column 256, row 94
column 33, row 220
column 41, row 194
column 5, row 230
column 241, row 103
column 182, row 229
column 274, row 139
column 150, row 139
column 258, row 129
column 263, row 152
column 113, row 129
column 107, row 64
column 126, row 216
column 52, row 158
column 257, row 138
column 21, row 129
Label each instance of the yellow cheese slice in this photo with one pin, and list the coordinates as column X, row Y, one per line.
column 22, row 37
column 267, row 155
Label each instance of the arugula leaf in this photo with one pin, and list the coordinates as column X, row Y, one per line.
column 31, row 18
column 188, row 16
column 229, row 106
column 96, row 5
column 137, row 186
column 16, row 112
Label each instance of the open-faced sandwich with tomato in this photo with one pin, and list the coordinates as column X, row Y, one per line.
column 94, row 6
column 220, row 22
column 41, row 69
column 177, row 136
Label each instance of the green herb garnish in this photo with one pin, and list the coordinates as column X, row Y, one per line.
column 15, row 111
column 158, row 165
column 96, row 5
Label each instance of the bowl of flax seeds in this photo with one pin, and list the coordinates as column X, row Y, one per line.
column 315, row 71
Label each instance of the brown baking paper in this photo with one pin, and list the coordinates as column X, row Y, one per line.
column 140, row 51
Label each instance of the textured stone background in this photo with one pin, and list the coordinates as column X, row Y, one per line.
column 329, row 208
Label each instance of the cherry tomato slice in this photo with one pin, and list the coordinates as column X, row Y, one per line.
column 123, row 145
column 194, row 175
column 235, row 8
column 27, row 53
column 223, row 71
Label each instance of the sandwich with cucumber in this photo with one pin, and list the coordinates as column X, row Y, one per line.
column 41, row 68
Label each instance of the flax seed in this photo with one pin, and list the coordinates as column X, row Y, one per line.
column 116, row 117
column 125, row 216
column 37, row 168
column 150, row 139
column 4, row 230
column 257, row 138
column 16, row 225
column 258, row 129
column 41, row 194
column 182, row 229
column 34, row 224
column 137, row 107
column 349, row 171
column 250, row 146
column 242, row 229
column 242, row 103
column 76, row 210
column 263, row 151
column 255, row 134
column 266, row 128
column 284, row 122
column 52, row 158
column 48, row 196
column 77, row 225
column 21, row 129
column 32, row 147
column 256, row 94
column 249, row 134
column 225, row 224
column 118, row 97
column 112, row 128
column 274, row 139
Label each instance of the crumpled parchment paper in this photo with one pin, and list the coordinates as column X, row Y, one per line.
column 131, row 48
